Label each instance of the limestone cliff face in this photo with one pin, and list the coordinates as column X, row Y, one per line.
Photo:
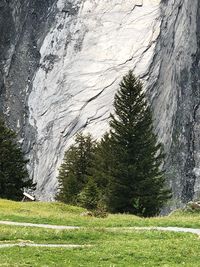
column 62, row 61
column 175, row 94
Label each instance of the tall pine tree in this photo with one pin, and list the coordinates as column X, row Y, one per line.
column 13, row 173
column 137, row 184
column 75, row 169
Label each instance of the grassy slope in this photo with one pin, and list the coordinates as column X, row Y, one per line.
column 109, row 248
column 61, row 214
column 119, row 249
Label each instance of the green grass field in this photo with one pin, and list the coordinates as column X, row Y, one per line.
column 109, row 247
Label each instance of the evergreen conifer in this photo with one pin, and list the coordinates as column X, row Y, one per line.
column 13, row 173
column 137, row 184
column 89, row 196
column 75, row 169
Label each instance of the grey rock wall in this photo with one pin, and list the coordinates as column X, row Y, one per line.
column 175, row 95
column 61, row 62
column 23, row 25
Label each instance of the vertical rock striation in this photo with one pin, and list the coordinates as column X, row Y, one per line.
column 23, row 25
column 175, row 97
column 61, row 62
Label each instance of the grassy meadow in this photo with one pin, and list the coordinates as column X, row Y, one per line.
column 109, row 247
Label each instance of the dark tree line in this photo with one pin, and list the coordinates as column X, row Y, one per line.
column 123, row 170
column 13, row 172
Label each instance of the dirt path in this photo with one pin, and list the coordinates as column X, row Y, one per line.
column 21, row 244
column 155, row 228
column 49, row 226
column 63, row 227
